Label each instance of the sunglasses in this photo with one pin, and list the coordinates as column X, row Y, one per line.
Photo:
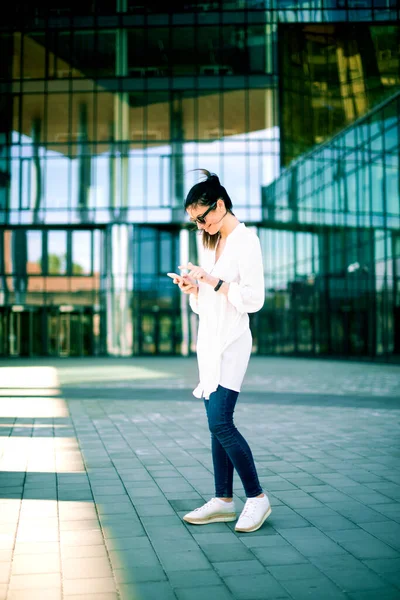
column 202, row 218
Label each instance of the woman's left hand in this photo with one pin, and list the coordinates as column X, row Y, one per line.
column 196, row 272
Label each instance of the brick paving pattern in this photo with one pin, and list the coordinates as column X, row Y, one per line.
column 100, row 459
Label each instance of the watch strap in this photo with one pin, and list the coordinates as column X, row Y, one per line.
column 220, row 282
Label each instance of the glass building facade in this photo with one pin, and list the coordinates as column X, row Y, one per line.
column 107, row 108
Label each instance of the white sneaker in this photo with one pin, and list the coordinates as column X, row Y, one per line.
column 214, row 511
column 254, row 513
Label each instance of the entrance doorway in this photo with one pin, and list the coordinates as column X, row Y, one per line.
column 20, row 331
column 55, row 331
column 159, row 333
column 70, row 331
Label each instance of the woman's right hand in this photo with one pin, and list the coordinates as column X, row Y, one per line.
column 187, row 285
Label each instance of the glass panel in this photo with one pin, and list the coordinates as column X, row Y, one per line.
column 81, row 253
column 158, row 51
column 64, row 334
column 82, row 117
column 84, row 56
column 166, row 253
column 59, row 46
column 75, row 348
column 256, row 41
column 137, row 55
column 233, row 51
column 7, row 252
column 330, row 77
column 34, row 56
column 57, row 182
column 58, row 122
column 34, row 265
column 106, row 53
column 209, row 59
column 209, row 116
column 158, row 117
column 10, row 45
column 147, row 249
column 97, row 248
column 148, row 326
column 32, row 118
column 166, row 338
column 234, row 120
column 184, row 60
column 57, row 253
column 105, row 119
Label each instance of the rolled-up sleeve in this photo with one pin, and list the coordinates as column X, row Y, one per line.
column 194, row 303
column 248, row 295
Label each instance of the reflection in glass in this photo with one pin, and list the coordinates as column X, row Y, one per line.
column 57, row 252
column 81, row 253
column 34, row 243
column 33, row 49
column 332, row 75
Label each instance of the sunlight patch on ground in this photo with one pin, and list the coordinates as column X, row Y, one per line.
column 112, row 373
column 28, row 377
column 34, row 408
column 36, row 454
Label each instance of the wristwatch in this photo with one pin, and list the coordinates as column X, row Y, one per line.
column 220, row 282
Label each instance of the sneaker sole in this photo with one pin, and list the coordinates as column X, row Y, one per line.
column 214, row 519
column 256, row 526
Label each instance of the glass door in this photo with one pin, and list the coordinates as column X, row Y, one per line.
column 157, row 333
column 64, row 335
column 148, row 334
column 14, row 334
column 70, row 333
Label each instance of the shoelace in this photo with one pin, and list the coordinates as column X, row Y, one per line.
column 249, row 509
column 212, row 501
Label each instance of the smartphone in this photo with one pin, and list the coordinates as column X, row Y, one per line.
column 174, row 276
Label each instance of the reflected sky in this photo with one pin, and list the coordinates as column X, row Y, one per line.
column 244, row 163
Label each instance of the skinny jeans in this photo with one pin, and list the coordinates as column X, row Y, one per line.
column 229, row 448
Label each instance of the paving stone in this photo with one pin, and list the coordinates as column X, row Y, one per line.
column 384, row 594
column 216, row 592
column 89, row 586
column 193, row 579
column 334, row 485
column 314, row 589
column 86, row 568
column 184, row 561
column 361, row 579
column 30, row 594
column 5, row 572
column 388, row 532
column 383, row 565
column 35, row 581
column 106, row 596
column 255, row 587
column 285, row 555
column 239, row 567
column 146, row 591
column 140, row 574
column 294, row 572
column 24, row 564
column 363, row 545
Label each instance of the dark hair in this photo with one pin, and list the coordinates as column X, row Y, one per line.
column 206, row 193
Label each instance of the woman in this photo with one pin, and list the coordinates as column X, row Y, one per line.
column 228, row 286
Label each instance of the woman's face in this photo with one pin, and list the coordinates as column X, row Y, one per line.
column 213, row 218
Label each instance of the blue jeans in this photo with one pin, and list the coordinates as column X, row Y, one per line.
column 229, row 448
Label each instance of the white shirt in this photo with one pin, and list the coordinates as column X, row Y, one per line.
column 224, row 339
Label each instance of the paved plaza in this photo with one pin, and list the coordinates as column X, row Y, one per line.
column 101, row 458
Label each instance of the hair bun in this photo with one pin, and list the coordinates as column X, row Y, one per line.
column 213, row 179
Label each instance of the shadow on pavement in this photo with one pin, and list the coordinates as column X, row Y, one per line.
column 128, row 393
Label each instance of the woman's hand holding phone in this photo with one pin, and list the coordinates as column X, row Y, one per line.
column 186, row 284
